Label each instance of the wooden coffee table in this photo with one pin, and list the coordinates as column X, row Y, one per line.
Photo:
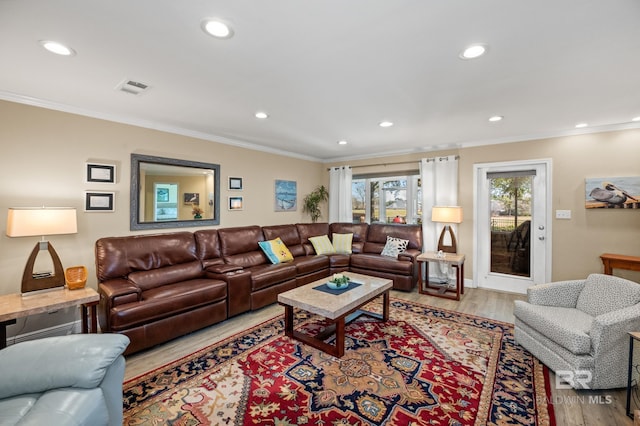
column 340, row 309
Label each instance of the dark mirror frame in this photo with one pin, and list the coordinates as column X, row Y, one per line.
column 135, row 223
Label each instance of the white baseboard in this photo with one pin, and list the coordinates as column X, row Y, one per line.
column 74, row 327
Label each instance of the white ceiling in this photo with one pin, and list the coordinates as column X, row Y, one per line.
column 333, row 69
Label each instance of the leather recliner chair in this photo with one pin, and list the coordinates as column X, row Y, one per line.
column 65, row 380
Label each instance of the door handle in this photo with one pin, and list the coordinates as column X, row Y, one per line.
column 541, row 238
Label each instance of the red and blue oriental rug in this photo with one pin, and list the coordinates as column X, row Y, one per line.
column 423, row 366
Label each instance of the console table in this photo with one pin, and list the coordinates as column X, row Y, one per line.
column 441, row 289
column 14, row 306
column 619, row 261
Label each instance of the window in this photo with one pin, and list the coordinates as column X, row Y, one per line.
column 386, row 199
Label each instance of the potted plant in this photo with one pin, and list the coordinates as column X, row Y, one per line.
column 312, row 202
column 197, row 212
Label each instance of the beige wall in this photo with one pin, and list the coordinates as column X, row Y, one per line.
column 43, row 159
column 45, row 151
column 576, row 243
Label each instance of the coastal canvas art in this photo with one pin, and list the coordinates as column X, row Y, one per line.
column 612, row 192
column 286, row 195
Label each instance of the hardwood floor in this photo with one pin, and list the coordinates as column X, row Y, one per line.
column 588, row 408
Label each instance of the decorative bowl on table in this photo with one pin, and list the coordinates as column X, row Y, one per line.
column 338, row 281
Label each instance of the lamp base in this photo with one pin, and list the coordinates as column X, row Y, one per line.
column 32, row 281
column 453, row 248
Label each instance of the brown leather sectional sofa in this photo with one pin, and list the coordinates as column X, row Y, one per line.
column 154, row 288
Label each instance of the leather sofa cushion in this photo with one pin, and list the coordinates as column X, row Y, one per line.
column 307, row 230
column 68, row 406
column 381, row 263
column 117, row 257
column 289, row 236
column 339, row 260
column 308, row 264
column 359, row 231
column 207, row 245
column 241, row 239
column 146, row 280
column 378, row 233
column 166, row 301
column 266, row 275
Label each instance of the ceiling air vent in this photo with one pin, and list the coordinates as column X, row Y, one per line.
column 133, row 87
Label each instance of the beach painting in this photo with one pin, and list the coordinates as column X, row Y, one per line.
column 286, row 195
column 612, row 192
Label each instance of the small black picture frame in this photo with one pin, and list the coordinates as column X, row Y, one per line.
column 101, row 173
column 96, row 201
column 235, row 184
column 235, row 203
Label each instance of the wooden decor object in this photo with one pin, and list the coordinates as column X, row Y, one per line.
column 33, row 282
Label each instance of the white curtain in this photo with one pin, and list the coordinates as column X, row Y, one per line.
column 340, row 194
column 439, row 177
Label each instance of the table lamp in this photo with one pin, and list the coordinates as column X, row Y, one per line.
column 32, row 221
column 447, row 215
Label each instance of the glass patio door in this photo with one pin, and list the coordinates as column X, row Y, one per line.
column 513, row 248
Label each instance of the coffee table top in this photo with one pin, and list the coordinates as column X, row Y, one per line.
column 333, row 306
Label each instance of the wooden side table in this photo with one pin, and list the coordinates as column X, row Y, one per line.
column 442, row 290
column 14, row 306
column 619, row 261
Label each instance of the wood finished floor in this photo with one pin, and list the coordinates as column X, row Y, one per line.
column 588, row 408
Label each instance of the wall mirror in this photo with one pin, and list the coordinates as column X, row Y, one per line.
column 172, row 193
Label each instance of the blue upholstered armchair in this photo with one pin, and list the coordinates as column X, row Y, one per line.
column 581, row 326
column 67, row 380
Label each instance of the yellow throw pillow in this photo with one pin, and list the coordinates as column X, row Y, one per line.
column 342, row 243
column 276, row 251
column 322, row 245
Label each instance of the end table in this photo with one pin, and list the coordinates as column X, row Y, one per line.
column 442, row 290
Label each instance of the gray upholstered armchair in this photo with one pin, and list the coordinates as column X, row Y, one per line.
column 66, row 380
column 581, row 326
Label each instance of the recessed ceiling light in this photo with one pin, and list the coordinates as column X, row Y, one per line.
column 57, row 48
column 342, row 142
column 473, row 51
column 386, row 124
column 495, row 118
column 636, row 118
column 581, row 125
column 261, row 115
column 217, row 28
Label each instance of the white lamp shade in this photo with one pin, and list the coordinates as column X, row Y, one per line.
column 31, row 221
column 446, row 214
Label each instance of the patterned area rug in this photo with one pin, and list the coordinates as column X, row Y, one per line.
column 423, row 366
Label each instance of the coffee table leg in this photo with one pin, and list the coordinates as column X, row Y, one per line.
column 288, row 320
column 339, row 337
column 385, row 306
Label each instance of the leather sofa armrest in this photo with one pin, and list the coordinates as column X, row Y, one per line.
column 223, row 269
column 238, row 289
column 113, row 293
column 410, row 254
column 77, row 361
column 120, row 291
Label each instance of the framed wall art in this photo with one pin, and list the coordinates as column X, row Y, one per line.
column 286, row 195
column 192, row 198
column 100, row 173
column 612, row 192
column 236, row 203
column 97, row 201
column 235, row 184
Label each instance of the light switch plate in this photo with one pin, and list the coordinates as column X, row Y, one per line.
column 563, row 214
